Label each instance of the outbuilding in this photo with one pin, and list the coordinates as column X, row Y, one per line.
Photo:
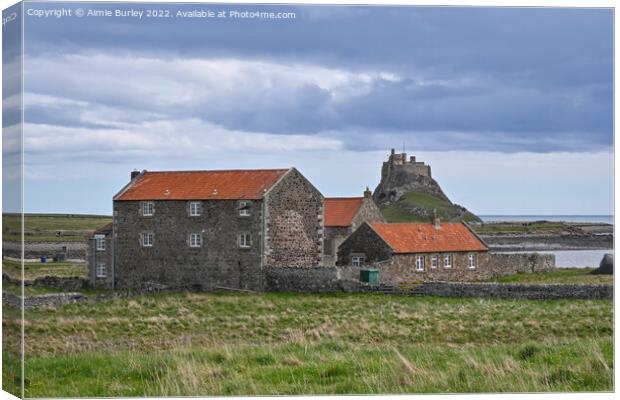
column 416, row 252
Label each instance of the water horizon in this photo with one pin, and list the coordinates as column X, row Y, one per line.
column 601, row 218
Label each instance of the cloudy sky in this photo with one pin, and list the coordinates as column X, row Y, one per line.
column 511, row 107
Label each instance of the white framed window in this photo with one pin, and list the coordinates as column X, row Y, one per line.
column 195, row 208
column 471, row 261
column 100, row 270
column 100, row 242
column 419, row 263
column 148, row 208
column 147, row 239
column 245, row 240
column 195, row 240
column 447, row 261
column 244, row 208
column 357, row 261
column 434, row 261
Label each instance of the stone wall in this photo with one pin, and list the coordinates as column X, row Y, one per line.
column 294, row 223
column 63, row 283
column 364, row 241
column 219, row 262
column 508, row 291
column 302, row 279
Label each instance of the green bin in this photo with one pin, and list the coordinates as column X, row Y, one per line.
column 370, row 275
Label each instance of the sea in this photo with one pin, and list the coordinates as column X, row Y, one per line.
column 563, row 258
column 608, row 219
column 573, row 258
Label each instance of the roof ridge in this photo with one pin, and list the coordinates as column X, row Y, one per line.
column 344, row 198
column 217, row 170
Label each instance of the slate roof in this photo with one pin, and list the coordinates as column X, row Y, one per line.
column 202, row 185
column 340, row 211
column 425, row 238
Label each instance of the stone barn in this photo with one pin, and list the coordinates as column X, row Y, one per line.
column 343, row 215
column 210, row 229
column 416, row 252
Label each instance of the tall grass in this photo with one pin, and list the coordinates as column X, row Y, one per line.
column 207, row 344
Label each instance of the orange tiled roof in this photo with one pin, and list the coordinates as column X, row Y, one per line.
column 202, row 185
column 340, row 211
column 424, row 238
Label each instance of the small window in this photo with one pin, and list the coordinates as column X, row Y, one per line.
column 100, row 242
column 100, row 270
column 357, row 261
column 244, row 208
column 245, row 240
column 434, row 261
column 147, row 239
column 419, row 263
column 471, row 259
column 447, row 261
column 194, row 208
column 195, row 240
column 148, row 208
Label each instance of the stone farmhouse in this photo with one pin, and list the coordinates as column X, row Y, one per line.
column 343, row 215
column 415, row 252
column 208, row 229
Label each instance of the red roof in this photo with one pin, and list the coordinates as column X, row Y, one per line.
column 202, row 185
column 340, row 211
column 425, row 238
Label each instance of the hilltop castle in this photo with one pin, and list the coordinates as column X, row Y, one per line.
column 399, row 162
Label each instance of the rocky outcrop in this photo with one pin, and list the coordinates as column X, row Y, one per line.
column 407, row 192
column 400, row 181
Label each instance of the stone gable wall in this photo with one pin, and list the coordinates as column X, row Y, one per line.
column 294, row 223
column 364, row 241
column 368, row 212
column 219, row 262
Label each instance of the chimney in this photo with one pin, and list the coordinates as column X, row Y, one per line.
column 436, row 222
column 367, row 193
column 393, row 151
column 134, row 173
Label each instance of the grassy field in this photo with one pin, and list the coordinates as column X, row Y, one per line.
column 34, row 270
column 561, row 275
column 44, row 228
column 231, row 344
column 400, row 211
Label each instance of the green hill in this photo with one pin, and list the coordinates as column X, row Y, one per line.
column 419, row 206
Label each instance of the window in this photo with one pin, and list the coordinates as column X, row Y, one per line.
column 434, row 261
column 148, row 208
column 101, row 271
column 195, row 240
column 147, row 239
column 244, row 208
column 245, row 240
column 194, row 208
column 447, row 261
column 419, row 263
column 357, row 261
column 100, row 242
column 471, row 260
